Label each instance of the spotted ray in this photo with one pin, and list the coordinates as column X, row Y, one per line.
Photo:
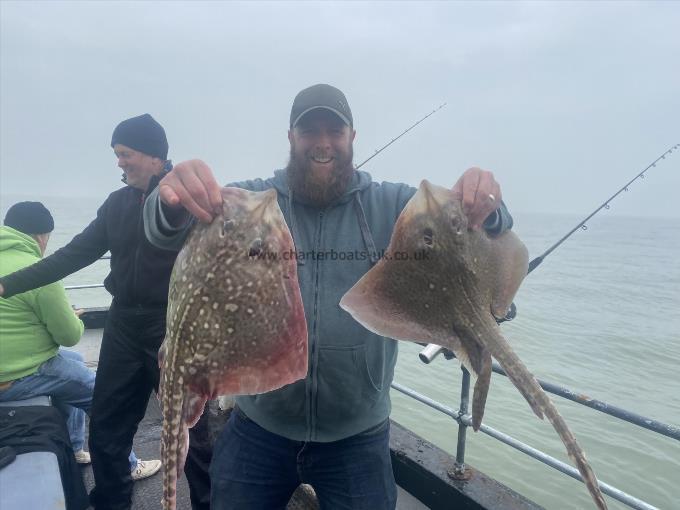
column 443, row 283
column 235, row 321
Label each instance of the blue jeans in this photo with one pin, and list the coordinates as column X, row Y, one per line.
column 254, row 469
column 70, row 383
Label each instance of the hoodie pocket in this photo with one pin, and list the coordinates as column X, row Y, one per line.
column 345, row 387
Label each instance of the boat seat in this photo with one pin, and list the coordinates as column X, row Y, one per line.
column 33, row 479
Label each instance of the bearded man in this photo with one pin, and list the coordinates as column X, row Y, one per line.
column 331, row 429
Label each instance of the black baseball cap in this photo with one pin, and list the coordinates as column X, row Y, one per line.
column 320, row 96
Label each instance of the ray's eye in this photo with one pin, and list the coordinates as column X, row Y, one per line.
column 255, row 248
column 456, row 223
column 428, row 237
column 227, row 225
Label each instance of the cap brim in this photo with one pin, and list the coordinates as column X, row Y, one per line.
column 342, row 116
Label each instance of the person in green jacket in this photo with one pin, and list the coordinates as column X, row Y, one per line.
column 36, row 325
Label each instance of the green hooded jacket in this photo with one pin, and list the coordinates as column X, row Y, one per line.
column 347, row 387
column 34, row 324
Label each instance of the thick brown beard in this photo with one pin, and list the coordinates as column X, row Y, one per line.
column 316, row 194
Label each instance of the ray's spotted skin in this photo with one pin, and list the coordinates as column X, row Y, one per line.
column 446, row 287
column 235, row 321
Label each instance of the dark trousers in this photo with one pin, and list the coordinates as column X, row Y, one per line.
column 253, row 469
column 197, row 465
column 127, row 373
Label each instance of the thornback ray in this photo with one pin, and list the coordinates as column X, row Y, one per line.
column 235, row 320
column 441, row 282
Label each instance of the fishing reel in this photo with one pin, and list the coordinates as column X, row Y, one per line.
column 431, row 351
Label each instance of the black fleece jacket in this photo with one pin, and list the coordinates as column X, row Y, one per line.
column 140, row 272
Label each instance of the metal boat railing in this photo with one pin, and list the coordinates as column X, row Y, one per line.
column 464, row 420
column 89, row 286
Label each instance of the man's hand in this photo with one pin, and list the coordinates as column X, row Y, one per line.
column 480, row 194
column 191, row 184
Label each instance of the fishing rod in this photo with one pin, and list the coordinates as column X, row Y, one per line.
column 378, row 151
column 605, row 205
column 431, row 351
column 512, row 313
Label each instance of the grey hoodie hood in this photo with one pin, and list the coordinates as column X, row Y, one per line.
column 360, row 181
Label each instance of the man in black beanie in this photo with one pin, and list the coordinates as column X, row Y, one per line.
column 128, row 361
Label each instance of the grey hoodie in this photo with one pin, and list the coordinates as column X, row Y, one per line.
column 346, row 390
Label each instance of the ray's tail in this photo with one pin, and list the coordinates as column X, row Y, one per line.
column 174, row 434
column 541, row 404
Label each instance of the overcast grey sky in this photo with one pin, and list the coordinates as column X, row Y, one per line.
column 563, row 101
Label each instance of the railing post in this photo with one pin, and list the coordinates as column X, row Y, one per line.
column 459, row 471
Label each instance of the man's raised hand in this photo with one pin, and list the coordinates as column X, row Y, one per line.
column 192, row 185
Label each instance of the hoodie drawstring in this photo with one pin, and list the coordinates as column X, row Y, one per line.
column 366, row 235
column 294, row 230
column 365, row 231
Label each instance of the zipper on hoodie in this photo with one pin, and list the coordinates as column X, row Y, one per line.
column 140, row 235
column 314, row 347
column 138, row 242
